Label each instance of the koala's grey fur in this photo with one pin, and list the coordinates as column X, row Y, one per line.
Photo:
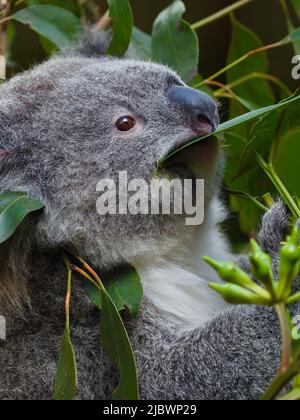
column 56, row 123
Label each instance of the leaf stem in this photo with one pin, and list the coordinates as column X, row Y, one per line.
column 68, row 295
column 92, row 272
column 241, row 60
column 286, row 346
column 85, row 275
column 220, row 14
column 256, row 75
column 104, row 22
column 282, row 380
column 5, row 20
column 293, row 299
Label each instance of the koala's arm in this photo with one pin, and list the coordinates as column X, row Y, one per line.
column 234, row 357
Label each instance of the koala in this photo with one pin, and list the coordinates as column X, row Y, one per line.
column 65, row 125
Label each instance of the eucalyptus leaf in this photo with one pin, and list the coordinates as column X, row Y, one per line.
column 115, row 341
column 65, row 4
column 58, row 25
column 66, row 373
column 296, row 41
column 256, row 91
column 66, row 381
column 287, row 160
column 14, row 207
column 265, row 134
column 293, row 37
column 122, row 26
column 141, row 43
column 174, row 42
column 124, row 288
column 296, row 4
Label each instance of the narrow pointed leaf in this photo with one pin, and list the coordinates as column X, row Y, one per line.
column 266, row 135
column 287, row 159
column 115, row 341
column 66, row 374
column 65, row 387
column 296, row 4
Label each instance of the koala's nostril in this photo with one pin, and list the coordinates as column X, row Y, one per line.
column 203, row 125
column 199, row 106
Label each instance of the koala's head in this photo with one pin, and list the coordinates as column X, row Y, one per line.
column 76, row 120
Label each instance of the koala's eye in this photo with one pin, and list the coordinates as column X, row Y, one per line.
column 125, row 123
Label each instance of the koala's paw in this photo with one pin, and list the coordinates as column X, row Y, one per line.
column 274, row 228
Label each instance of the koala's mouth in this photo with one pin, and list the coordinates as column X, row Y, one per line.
column 194, row 155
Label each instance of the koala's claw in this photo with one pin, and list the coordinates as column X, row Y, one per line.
column 274, row 228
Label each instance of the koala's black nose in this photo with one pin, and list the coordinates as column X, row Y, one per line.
column 199, row 106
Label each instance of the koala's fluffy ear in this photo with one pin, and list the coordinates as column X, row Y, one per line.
column 92, row 44
column 95, row 43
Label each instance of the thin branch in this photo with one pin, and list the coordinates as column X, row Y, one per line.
column 282, row 380
column 240, row 60
column 4, row 20
column 222, row 13
column 257, row 75
column 69, row 291
column 293, row 299
column 104, row 22
column 84, row 274
column 286, row 345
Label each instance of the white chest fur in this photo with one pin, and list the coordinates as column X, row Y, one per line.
column 177, row 283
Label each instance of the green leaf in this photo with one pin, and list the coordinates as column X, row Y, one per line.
column 58, row 25
column 256, row 91
column 293, row 37
column 296, row 41
column 93, row 293
column 66, row 374
column 14, row 207
column 64, row 4
column 296, row 4
column 287, row 160
column 142, row 44
column 290, row 26
column 264, row 135
column 115, row 341
column 242, row 119
column 122, row 26
column 124, row 288
column 174, row 42
column 65, row 387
